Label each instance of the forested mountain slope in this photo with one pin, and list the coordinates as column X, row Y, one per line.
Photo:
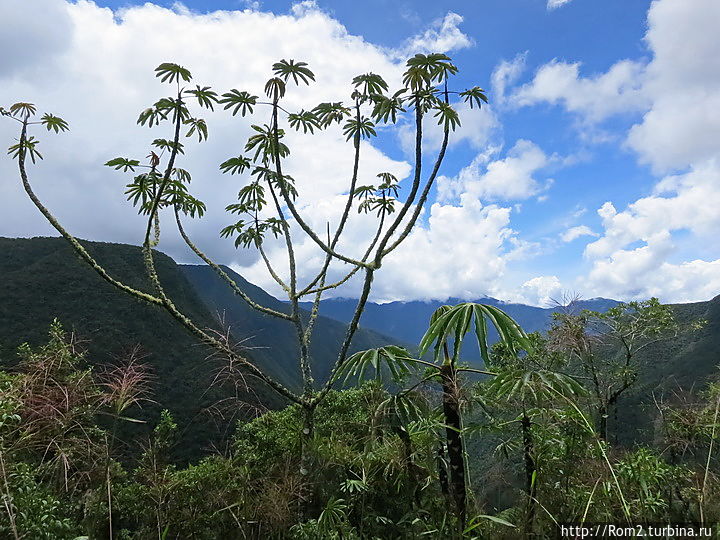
column 273, row 341
column 42, row 279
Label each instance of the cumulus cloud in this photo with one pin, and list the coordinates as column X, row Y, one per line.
column 541, row 291
column 102, row 75
column 680, row 203
column 510, row 178
column 592, row 98
column 443, row 35
column 646, row 248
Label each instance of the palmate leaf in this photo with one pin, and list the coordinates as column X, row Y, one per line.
column 454, row 323
column 389, row 185
column 397, row 360
column 327, row 113
column 141, row 189
column 205, row 96
column 371, row 83
column 123, row 163
column 386, row 108
column 275, row 88
column 28, row 145
column 236, row 165
column 182, row 175
column 23, row 109
column 474, row 96
column 152, row 116
column 536, row 384
column 297, row 70
column 263, row 142
column 435, row 67
column 447, row 116
column 169, row 72
column 55, row 123
column 365, row 128
column 165, row 144
column 197, row 125
column 241, row 102
column 363, row 192
column 190, row 206
column 305, row 120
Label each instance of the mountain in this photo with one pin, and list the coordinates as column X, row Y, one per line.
column 408, row 321
column 272, row 341
column 42, row 279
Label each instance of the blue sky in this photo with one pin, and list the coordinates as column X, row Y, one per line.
column 591, row 171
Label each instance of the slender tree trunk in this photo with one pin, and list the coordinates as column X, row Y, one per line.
column 453, row 434
column 602, row 421
column 306, row 464
column 530, row 472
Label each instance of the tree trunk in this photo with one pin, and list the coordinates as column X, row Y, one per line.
column 530, row 471
column 453, row 434
column 306, row 460
column 602, row 421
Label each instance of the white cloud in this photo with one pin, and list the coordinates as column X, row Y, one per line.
column 102, row 76
column 443, row 35
column 541, row 291
column 554, row 4
column 592, row 98
column 647, row 248
column 511, row 178
column 576, row 232
column 505, row 74
column 680, row 203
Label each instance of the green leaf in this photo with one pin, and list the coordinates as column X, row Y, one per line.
column 28, row 146
column 23, row 109
column 297, row 70
column 123, row 163
column 54, row 122
column 305, row 120
column 447, row 116
column 199, row 125
column 205, row 96
column 371, row 83
column 364, row 129
column 327, row 113
column 169, row 72
column 474, row 96
column 165, row 144
column 454, row 322
column 397, row 360
column 275, row 88
column 236, row 165
column 242, row 102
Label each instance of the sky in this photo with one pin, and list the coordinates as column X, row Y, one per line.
column 594, row 169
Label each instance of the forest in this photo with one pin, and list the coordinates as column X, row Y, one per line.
column 481, row 428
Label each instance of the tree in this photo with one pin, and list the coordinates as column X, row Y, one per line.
column 607, row 346
column 267, row 200
column 447, row 324
column 531, row 383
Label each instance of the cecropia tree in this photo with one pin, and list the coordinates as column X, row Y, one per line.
column 268, row 197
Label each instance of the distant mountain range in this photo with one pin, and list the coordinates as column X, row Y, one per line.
column 408, row 321
column 42, row 279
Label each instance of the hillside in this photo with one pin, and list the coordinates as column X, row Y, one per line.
column 43, row 279
column 271, row 341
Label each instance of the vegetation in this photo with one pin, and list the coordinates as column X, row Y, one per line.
column 380, row 459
